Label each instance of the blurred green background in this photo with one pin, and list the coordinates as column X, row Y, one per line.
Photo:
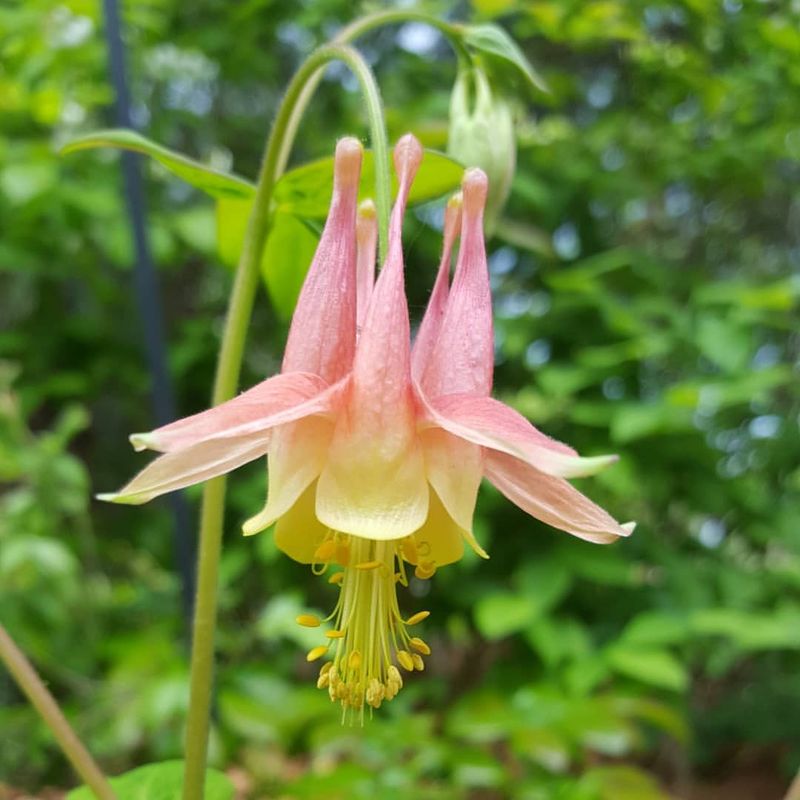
column 646, row 278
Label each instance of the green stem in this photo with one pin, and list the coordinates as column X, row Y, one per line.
column 31, row 684
column 348, row 34
column 227, row 378
column 391, row 16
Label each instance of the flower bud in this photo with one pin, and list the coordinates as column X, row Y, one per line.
column 482, row 135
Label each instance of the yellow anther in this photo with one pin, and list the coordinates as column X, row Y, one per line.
column 409, row 551
column 418, row 617
column 393, row 676
column 354, row 662
column 376, row 691
column 326, row 668
column 316, row 652
column 406, row 662
column 323, row 681
column 357, row 696
column 418, row 662
column 334, row 634
column 369, row 565
column 336, row 578
column 308, row 621
column 342, row 554
column 325, row 551
column 420, row 646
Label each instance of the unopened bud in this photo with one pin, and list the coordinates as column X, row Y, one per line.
column 482, row 135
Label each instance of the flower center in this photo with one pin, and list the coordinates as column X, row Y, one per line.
column 370, row 642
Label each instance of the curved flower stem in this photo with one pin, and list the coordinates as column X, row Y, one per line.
column 227, row 378
column 31, row 684
column 348, row 34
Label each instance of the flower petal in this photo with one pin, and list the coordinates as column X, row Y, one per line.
column 552, row 500
column 440, row 539
column 374, row 482
column 492, row 424
column 367, row 239
column 381, row 368
column 322, row 336
column 463, row 359
column 431, row 323
column 299, row 533
column 275, row 401
column 454, row 468
column 296, row 457
column 198, row 462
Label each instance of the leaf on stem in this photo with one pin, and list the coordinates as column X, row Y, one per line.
column 492, row 41
column 306, row 190
column 213, row 182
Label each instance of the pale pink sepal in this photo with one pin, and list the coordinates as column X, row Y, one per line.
column 431, row 323
column 322, row 335
column 492, row 424
column 277, row 400
column 218, row 443
column 552, row 500
column 190, row 465
column 463, row 359
column 367, row 241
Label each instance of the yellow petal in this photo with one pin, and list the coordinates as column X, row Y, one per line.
column 440, row 540
column 296, row 457
column 373, row 486
column 299, row 533
column 454, row 468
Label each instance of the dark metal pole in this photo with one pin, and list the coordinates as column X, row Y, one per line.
column 148, row 297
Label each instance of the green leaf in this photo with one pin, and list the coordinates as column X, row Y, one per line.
column 778, row 630
column 558, row 639
column 501, row 614
column 159, row 782
column 306, row 190
column 493, row 41
column 656, row 628
column 654, row 667
column 211, row 181
column 290, row 246
column 287, row 256
column 620, row 783
column 23, row 182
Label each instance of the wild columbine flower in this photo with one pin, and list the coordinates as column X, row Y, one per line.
column 375, row 451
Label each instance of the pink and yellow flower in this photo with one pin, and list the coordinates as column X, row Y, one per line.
column 376, row 450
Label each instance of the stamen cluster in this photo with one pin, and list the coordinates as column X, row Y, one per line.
column 369, row 642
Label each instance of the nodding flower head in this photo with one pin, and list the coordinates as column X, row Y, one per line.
column 376, row 449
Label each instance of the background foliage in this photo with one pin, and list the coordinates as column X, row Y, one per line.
column 646, row 289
